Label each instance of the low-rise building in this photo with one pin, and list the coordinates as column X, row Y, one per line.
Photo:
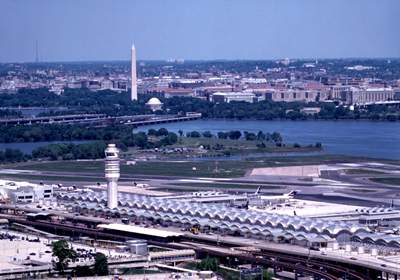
column 24, row 192
column 233, row 96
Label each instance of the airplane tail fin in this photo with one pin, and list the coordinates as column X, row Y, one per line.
column 392, row 205
column 292, row 193
column 258, row 190
column 135, row 184
column 74, row 187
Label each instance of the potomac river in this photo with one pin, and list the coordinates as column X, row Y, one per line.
column 357, row 138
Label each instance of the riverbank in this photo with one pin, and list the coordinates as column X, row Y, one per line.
column 191, row 148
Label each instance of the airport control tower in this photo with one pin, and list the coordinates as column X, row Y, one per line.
column 112, row 175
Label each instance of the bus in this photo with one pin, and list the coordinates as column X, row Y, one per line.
column 194, row 230
column 125, row 221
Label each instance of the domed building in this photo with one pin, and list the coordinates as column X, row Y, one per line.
column 154, row 104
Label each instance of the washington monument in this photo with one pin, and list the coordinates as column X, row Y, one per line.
column 133, row 70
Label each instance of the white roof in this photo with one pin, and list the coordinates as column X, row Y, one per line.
column 154, row 101
column 139, row 230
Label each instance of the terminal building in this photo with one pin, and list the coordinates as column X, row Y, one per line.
column 219, row 218
column 13, row 192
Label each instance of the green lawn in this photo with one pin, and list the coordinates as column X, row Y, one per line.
column 363, row 190
column 233, row 147
column 100, row 179
column 390, row 181
column 233, row 169
column 362, row 171
column 225, row 186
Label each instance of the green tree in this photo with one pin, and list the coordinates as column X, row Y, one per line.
column 208, row 264
column 195, row 134
column 152, row 131
column 207, row 134
column 63, row 253
column 180, row 133
column 84, row 270
column 100, row 265
column 222, row 135
column 162, row 132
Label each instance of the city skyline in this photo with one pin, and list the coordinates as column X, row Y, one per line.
column 206, row 30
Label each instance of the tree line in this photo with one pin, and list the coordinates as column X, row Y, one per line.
column 116, row 104
column 122, row 136
column 236, row 135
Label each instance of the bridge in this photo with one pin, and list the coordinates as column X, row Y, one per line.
column 54, row 119
column 102, row 119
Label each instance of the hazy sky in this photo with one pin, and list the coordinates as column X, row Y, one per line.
column 84, row 30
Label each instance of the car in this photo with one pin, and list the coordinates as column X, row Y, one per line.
column 48, row 252
column 64, row 212
column 353, row 258
column 76, row 214
column 256, row 242
column 210, row 233
column 314, row 248
column 38, row 206
column 324, row 253
column 102, row 216
column 383, row 265
column 26, row 206
column 32, row 254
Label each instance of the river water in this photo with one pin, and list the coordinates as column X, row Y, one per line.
column 357, row 138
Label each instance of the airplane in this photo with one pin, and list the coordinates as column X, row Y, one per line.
column 66, row 188
column 285, row 196
column 387, row 230
column 83, row 190
column 141, row 185
column 100, row 185
column 392, row 207
column 256, row 194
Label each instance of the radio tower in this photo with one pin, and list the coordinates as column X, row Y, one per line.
column 37, row 53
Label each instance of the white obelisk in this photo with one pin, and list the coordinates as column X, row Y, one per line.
column 133, row 70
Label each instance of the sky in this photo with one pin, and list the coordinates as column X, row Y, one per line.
column 104, row 30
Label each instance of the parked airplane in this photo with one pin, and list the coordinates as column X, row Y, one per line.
column 392, row 207
column 387, row 230
column 141, row 185
column 75, row 189
column 84, row 190
column 66, row 188
column 285, row 196
column 256, row 194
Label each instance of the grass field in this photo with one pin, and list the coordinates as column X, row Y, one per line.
column 233, row 147
column 233, row 169
column 363, row 190
column 225, row 186
column 361, row 171
column 62, row 178
column 389, row 181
